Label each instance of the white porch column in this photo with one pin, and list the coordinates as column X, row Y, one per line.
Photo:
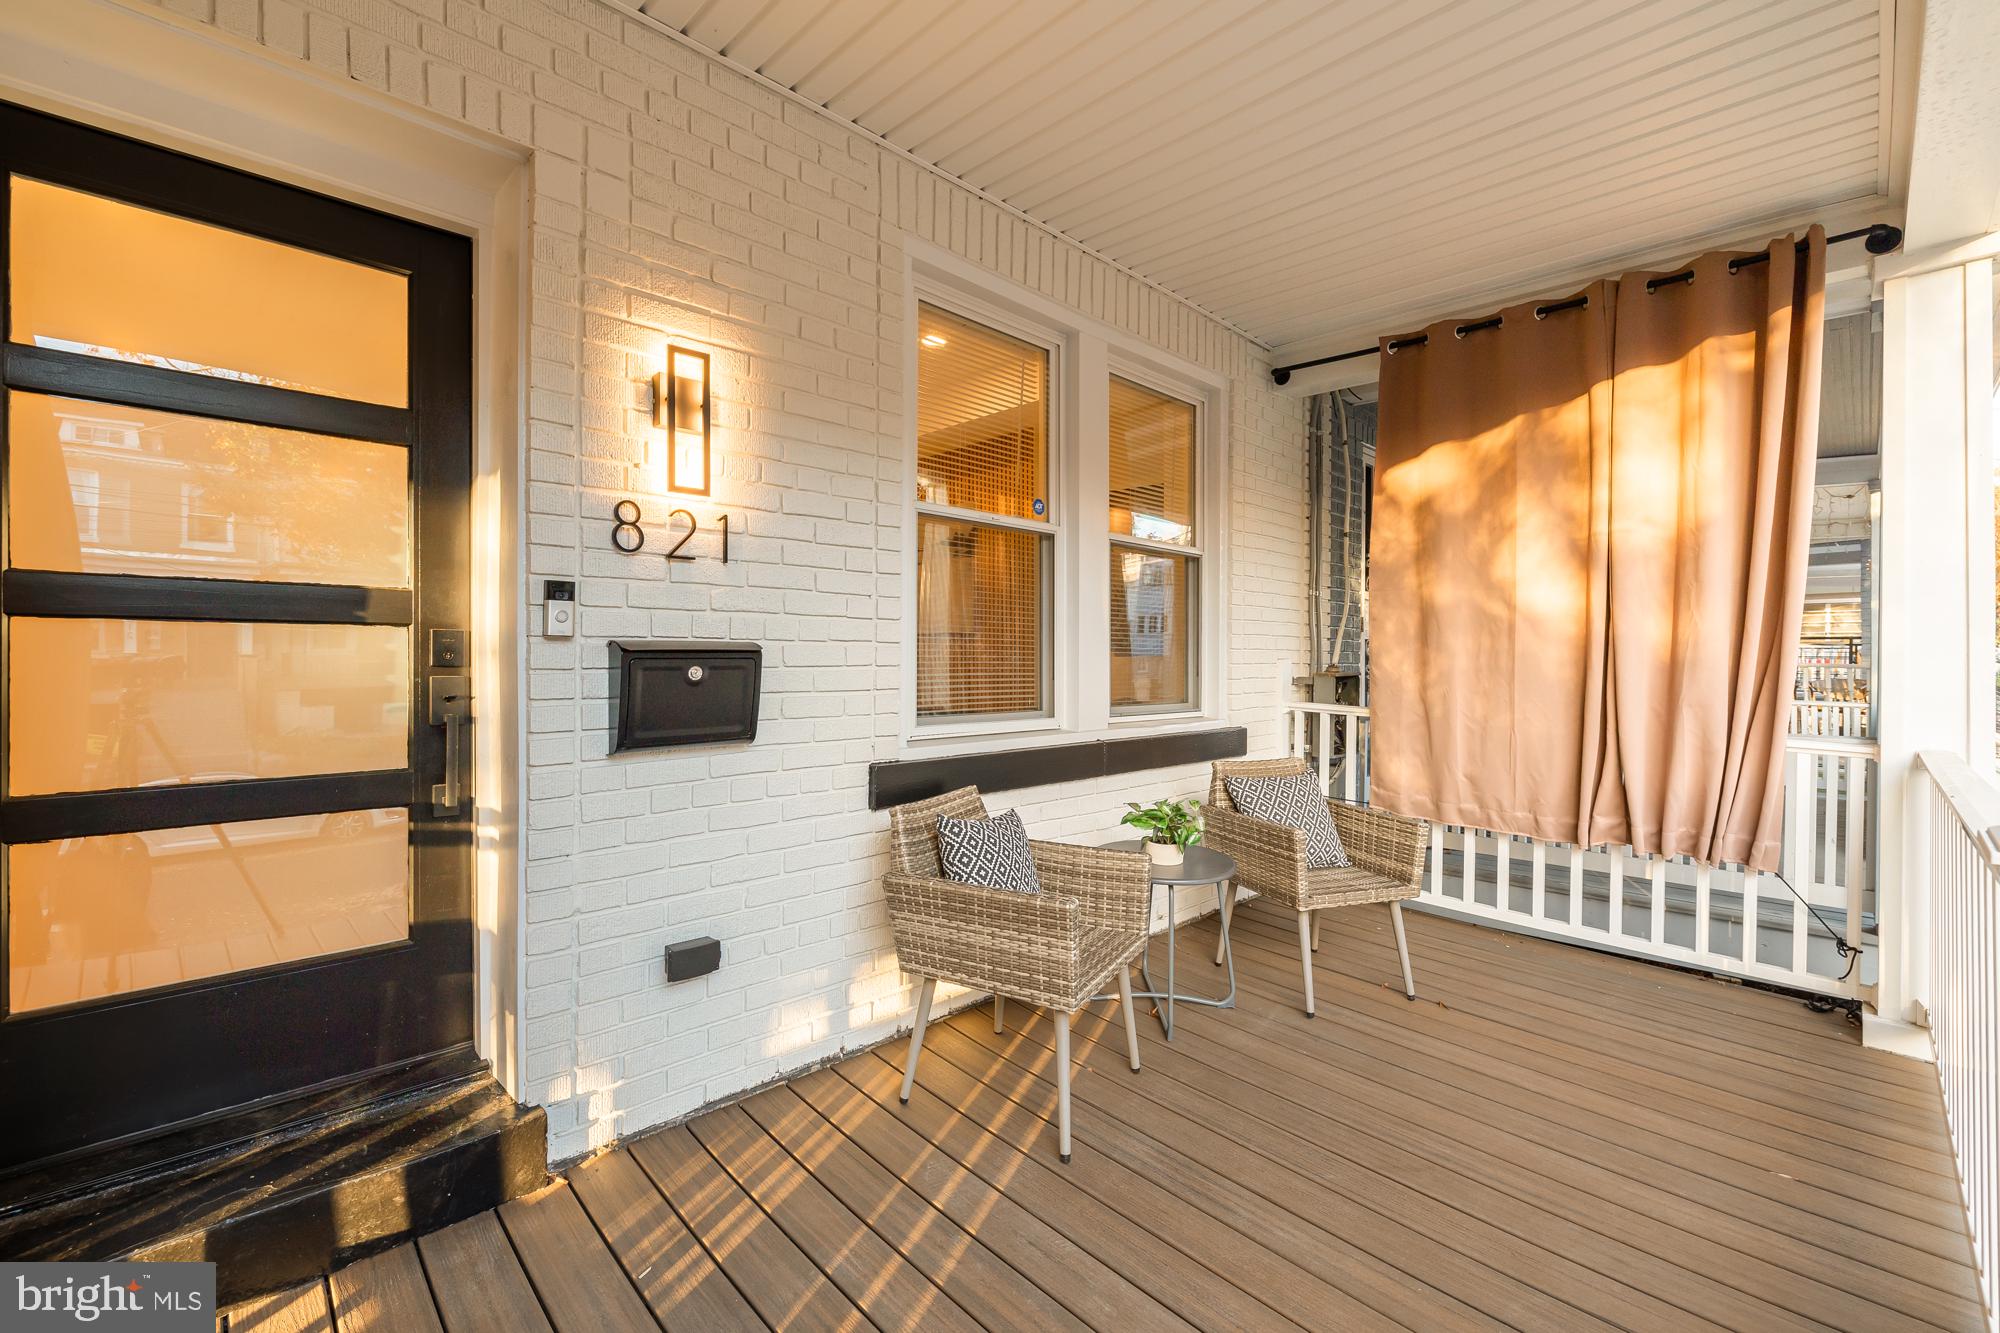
column 1935, row 685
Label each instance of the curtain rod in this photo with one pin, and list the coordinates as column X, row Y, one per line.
column 1882, row 239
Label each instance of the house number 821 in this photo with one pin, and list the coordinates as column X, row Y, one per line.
column 629, row 537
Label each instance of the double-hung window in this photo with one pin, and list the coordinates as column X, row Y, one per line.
column 985, row 522
column 1066, row 546
column 1154, row 456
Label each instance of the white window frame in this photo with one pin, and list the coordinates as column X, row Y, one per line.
column 1085, row 354
column 86, row 493
column 1196, row 552
column 1060, row 500
column 191, row 491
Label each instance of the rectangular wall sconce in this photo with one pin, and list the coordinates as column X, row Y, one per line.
column 680, row 408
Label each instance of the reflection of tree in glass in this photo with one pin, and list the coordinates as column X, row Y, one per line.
column 319, row 509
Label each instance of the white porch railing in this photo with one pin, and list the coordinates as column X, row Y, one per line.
column 1955, row 825
column 1723, row 919
column 1829, row 717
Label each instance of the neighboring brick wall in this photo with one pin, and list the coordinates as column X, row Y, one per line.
column 671, row 193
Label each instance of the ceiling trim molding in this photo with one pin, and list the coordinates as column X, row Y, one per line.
column 634, row 11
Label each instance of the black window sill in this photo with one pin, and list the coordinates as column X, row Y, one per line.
column 900, row 781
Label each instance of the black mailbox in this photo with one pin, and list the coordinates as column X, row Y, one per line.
column 683, row 693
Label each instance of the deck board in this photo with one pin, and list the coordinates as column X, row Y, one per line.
column 302, row 1309
column 580, row 1284
column 477, row 1279
column 1548, row 1138
column 674, row 1274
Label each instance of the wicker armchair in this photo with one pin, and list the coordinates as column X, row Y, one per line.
column 1387, row 851
column 1055, row 948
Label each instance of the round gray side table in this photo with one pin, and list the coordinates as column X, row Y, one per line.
column 1201, row 866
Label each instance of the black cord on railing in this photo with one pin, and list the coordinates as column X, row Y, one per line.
column 1851, row 952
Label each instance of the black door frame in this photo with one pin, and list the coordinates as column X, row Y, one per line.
column 82, row 1077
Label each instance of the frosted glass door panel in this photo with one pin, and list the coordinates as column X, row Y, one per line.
column 95, row 705
column 94, row 917
column 94, row 488
column 104, row 278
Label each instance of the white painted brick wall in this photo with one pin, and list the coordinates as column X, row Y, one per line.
column 673, row 195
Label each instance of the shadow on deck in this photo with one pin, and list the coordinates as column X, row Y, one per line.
column 1548, row 1138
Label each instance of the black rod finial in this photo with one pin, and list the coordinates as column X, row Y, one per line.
column 1281, row 375
column 1883, row 239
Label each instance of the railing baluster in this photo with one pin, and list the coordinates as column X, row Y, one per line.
column 1323, row 742
column 1657, row 918
column 1799, row 815
column 1503, row 873
column 1468, row 867
column 1616, row 921
column 1538, row 876
column 1575, row 885
column 1855, row 831
column 1351, row 757
column 1704, row 933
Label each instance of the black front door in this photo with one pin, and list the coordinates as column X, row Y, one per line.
column 237, row 457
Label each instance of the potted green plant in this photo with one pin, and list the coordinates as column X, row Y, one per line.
column 1171, row 827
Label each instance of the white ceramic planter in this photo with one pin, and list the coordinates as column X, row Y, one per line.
column 1165, row 853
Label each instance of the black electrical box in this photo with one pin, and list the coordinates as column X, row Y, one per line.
column 693, row 958
column 684, row 693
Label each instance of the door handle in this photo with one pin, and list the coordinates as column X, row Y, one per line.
column 451, row 708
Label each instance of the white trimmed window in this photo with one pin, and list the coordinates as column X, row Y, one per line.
column 985, row 524
column 1066, row 501
column 1154, row 455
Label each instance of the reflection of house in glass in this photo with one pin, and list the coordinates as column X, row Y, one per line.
column 1139, row 606
column 108, row 490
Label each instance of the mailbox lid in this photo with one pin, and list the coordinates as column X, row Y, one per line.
column 680, row 692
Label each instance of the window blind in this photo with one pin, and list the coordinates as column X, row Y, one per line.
column 983, row 588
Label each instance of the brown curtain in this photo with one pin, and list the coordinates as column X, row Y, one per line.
column 1589, row 560
column 1482, row 584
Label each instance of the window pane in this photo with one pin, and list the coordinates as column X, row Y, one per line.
column 1152, row 464
column 98, row 704
column 982, row 418
column 98, row 489
column 981, row 646
column 1152, row 629
column 110, row 279
column 91, row 917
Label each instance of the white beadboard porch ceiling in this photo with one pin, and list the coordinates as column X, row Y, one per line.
column 1310, row 170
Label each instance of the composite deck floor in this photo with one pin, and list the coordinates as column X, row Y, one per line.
column 1548, row 1138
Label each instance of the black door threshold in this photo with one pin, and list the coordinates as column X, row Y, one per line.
column 289, row 1201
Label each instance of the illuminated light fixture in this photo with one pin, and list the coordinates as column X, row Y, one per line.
column 933, row 340
column 680, row 408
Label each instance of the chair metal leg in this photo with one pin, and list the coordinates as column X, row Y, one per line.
column 1225, row 897
column 1131, row 1019
column 999, row 1014
column 924, row 997
column 1403, row 951
column 1317, row 915
column 1306, row 957
column 1062, row 1085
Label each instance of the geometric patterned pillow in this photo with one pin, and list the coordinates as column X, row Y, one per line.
column 1293, row 800
column 993, row 852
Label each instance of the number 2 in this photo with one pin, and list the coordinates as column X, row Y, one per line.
column 688, row 536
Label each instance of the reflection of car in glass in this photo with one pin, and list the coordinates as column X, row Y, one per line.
column 340, row 825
